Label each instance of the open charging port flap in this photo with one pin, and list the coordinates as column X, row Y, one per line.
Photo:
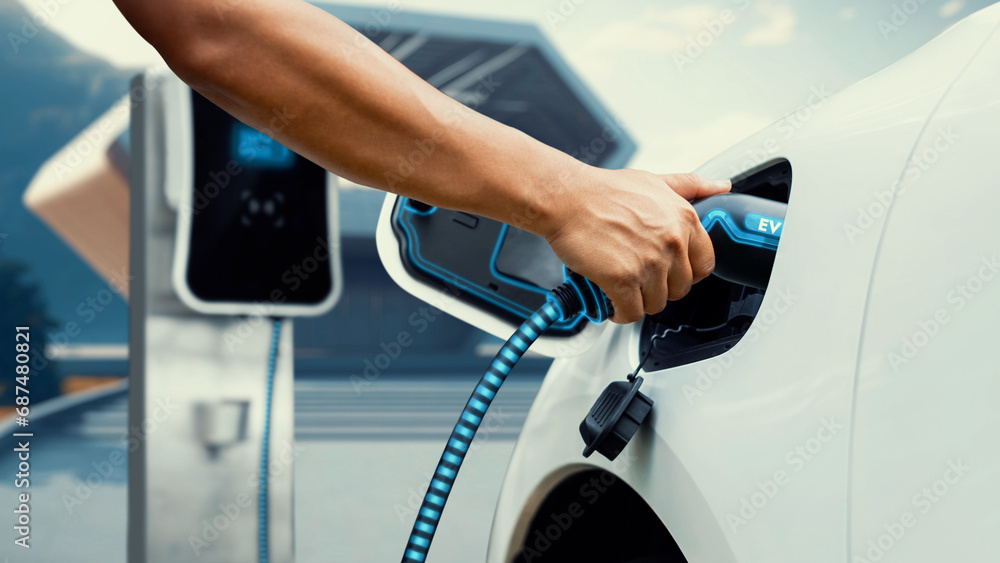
column 716, row 313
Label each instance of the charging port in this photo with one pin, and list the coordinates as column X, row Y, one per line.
column 713, row 317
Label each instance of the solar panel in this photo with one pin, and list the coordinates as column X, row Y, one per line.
column 507, row 71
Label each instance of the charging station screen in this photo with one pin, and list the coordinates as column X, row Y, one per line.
column 252, row 148
column 259, row 221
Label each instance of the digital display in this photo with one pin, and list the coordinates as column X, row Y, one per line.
column 259, row 216
column 250, row 147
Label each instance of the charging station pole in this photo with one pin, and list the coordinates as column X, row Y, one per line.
column 196, row 394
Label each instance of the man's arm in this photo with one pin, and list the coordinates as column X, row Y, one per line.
column 353, row 109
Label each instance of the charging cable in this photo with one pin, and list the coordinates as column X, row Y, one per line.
column 575, row 296
column 265, row 445
column 744, row 252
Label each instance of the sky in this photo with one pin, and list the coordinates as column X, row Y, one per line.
column 687, row 78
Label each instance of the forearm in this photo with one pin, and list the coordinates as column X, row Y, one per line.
column 319, row 87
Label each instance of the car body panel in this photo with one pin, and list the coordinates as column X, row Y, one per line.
column 925, row 461
column 746, row 456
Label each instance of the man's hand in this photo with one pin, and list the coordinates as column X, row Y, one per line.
column 635, row 235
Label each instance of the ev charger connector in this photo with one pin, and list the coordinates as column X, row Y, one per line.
column 745, row 231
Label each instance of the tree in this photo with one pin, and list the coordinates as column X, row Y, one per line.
column 23, row 304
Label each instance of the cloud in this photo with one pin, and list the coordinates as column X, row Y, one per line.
column 656, row 30
column 951, row 8
column 848, row 13
column 778, row 27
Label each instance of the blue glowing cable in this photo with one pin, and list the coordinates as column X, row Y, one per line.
column 264, row 447
column 472, row 416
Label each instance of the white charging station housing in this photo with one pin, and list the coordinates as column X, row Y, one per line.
column 321, row 258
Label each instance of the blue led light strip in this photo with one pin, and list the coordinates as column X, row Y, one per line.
column 405, row 221
column 472, row 416
column 264, row 447
column 718, row 216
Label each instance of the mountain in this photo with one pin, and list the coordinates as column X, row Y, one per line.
column 49, row 92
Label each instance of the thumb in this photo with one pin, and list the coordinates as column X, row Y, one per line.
column 693, row 186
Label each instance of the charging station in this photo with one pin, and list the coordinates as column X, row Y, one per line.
column 229, row 230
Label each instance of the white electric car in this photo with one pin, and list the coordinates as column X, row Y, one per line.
column 849, row 412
